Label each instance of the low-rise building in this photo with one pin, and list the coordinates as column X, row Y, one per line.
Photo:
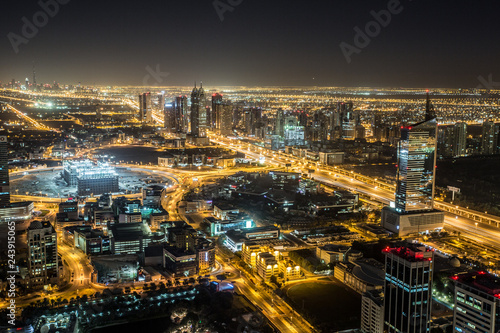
column 179, row 262
column 267, row 266
column 360, row 275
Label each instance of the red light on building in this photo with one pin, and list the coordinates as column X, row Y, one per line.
column 454, row 277
column 481, row 272
column 497, row 295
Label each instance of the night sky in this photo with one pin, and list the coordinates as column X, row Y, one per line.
column 430, row 43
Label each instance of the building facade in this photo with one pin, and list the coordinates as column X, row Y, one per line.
column 43, row 263
column 477, row 302
column 408, row 289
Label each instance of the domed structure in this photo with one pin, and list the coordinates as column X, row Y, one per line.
column 454, row 262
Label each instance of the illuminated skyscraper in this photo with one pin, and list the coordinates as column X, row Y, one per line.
column 408, row 289
column 181, row 114
column 42, row 255
column 416, row 165
column 4, row 173
column 223, row 113
column 145, row 110
column 169, row 117
column 489, row 138
column 214, row 116
column 198, row 113
column 460, row 139
column 413, row 210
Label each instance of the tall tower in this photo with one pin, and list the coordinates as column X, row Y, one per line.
column 408, row 289
column 489, row 138
column 413, row 209
column 459, row 139
column 4, row 172
column 198, row 112
column 181, row 114
column 34, row 78
column 42, row 254
column 145, row 111
column 214, row 119
column 416, row 164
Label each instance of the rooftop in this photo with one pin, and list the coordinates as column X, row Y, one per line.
column 481, row 280
column 411, row 252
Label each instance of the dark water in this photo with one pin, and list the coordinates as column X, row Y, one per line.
column 133, row 154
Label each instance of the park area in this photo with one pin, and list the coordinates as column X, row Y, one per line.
column 327, row 305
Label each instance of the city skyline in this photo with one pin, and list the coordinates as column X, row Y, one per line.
column 250, row 166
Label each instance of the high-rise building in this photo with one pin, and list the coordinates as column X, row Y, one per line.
column 413, row 210
column 372, row 311
column 43, row 267
column 145, row 108
column 489, row 138
column 408, row 289
column 416, row 166
column 348, row 120
column 169, row 117
column 4, row 172
column 446, row 137
column 214, row 117
column 279, row 127
column 198, row 112
column 460, row 139
column 223, row 113
column 181, row 114
column 477, row 303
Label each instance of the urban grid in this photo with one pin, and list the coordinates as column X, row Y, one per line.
column 252, row 178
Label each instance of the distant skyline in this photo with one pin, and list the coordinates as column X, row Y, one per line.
column 284, row 43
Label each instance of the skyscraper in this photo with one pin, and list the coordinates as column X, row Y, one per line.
column 169, row 117
column 489, row 138
column 223, row 113
column 459, row 139
column 279, row 127
column 477, row 303
column 413, row 210
column 416, row 165
column 42, row 254
column 198, row 113
column 181, row 114
column 408, row 289
column 214, row 116
column 4, row 173
column 145, row 110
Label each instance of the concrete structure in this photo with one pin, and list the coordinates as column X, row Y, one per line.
column 43, row 262
column 181, row 263
column 415, row 222
column 477, row 303
column 360, row 276
column 408, row 289
column 372, row 312
column 267, row 266
column 416, row 174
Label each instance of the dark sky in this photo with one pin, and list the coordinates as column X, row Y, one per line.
column 430, row 43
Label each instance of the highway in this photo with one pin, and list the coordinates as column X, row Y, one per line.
column 481, row 232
